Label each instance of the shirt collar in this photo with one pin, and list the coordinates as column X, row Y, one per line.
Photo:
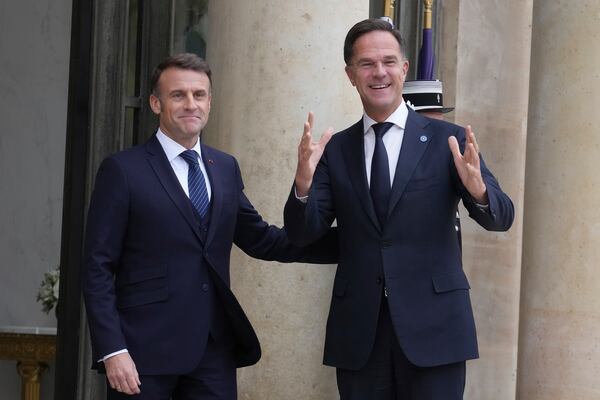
column 398, row 118
column 172, row 148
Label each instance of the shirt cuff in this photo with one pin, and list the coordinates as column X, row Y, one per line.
column 482, row 207
column 113, row 354
column 303, row 199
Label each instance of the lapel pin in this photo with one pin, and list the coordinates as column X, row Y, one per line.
column 210, row 161
column 423, row 138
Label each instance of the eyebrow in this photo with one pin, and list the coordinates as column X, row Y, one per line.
column 177, row 91
column 371, row 59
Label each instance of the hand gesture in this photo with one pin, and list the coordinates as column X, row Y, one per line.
column 468, row 167
column 122, row 374
column 309, row 154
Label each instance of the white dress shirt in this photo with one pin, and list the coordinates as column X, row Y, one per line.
column 180, row 166
column 392, row 140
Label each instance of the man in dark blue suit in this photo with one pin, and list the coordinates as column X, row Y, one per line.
column 162, row 220
column 400, row 324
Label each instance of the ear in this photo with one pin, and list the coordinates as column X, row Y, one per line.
column 405, row 68
column 350, row 74
column 155, row 104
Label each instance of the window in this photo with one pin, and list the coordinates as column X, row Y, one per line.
column 190, row 27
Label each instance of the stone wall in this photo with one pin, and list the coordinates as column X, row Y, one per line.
column 34, row 60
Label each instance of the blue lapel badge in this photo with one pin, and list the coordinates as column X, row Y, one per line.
column 423, row 138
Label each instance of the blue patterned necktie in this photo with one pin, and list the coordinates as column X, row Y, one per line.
column 380, row 173
column 196, row 183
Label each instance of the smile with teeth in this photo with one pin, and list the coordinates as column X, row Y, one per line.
column 380, row 86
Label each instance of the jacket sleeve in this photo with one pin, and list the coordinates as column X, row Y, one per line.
column 499, row 215
column 260, row 240
column 106, row 226
column 306, row 222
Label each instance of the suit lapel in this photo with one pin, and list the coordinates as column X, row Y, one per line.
column 415, row 142
column 217, row 183
column 354, row 156
column 164, row 172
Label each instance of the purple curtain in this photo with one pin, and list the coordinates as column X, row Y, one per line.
column 425, row 70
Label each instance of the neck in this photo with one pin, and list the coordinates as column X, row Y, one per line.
column 187, row 142
column 378, row 117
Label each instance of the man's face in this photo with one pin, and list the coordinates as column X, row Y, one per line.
column 378, row 70
column 182, row 104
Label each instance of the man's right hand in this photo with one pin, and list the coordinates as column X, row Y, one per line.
column 121, row 374
column 309, row 154
column 468, row 166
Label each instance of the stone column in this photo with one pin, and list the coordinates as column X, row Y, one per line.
column 273, row 62
column 559, row 351
column 492, row 91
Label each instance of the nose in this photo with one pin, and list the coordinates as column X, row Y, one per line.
column 190, row 103
column 379, row 69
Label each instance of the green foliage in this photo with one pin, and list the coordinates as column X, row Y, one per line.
column 48, row 293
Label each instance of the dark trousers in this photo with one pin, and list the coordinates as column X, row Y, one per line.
column 213, row 379
column 388, row 375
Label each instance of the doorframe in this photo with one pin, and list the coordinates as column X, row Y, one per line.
column 96, row 128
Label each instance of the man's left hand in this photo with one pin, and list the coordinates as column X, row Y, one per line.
column 468, row 167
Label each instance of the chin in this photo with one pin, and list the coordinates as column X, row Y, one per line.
column 194, row 133
column 382, row 106
column 193, row 129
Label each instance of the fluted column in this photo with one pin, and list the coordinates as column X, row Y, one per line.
column 492, row 92
column 31, row 374
column 274, row 61
column 559, row 356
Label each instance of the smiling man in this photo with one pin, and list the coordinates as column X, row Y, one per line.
column 162, row 221
column 400, row 324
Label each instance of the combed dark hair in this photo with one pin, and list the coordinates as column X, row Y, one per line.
column 187, row 61
column 366, row 26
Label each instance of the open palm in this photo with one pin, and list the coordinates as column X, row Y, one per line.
column 309, row 154
column 468, row 166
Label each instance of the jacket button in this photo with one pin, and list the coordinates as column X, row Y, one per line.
column 205, row 287
column 379, row 280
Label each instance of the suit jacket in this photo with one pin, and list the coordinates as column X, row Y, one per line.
column 415, row 255
column 156, row 276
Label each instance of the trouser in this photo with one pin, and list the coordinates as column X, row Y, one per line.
column 213, row 379
column 389, row 375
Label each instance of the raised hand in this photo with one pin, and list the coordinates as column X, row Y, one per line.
column 122, row 374
column 468, row 167
column 309, row 154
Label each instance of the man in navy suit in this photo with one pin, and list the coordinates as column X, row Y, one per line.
column 400, row 324
column 162, row 220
